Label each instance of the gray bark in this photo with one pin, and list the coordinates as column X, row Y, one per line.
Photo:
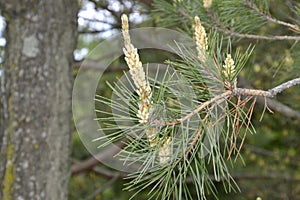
column 36, row 86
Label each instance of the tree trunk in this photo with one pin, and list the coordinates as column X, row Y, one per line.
column 36, row 86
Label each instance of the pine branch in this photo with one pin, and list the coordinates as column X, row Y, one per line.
column 272, row 103
column 96, row 31
column 100, row 171
column 281, row 108
column 221, row 97
column 284, row 86
column 270, row 93
column 158, row 138
column 107, row 173
column 96, row 159
column 261, row 37
column 237, row 92
column 221, row 27
column 269, row 18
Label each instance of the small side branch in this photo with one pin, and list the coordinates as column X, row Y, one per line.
column 261, row 37
column 217, row 98
column 272, row 103
column 251, row 92
column 270, row 93
column 269, row 18
column 96, row 159
column 224, row 29
column 284, row 86
column 237, row 92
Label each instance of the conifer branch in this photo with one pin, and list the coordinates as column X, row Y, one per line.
column 217, row 98
column 221, row 27
column 261, row 37
column 270, row 93
column 272, row 103
column 269, row 18
column 238, row 92
column 235, row 92
column 225, row 30
column 176, row 150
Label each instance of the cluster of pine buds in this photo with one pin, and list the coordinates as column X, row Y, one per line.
column 202, row 46
column 207, row 4
column 229, row 71
column 143, row 90
column 200, row 39
column 137, row 73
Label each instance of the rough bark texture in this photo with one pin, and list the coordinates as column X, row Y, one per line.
column 35, row 126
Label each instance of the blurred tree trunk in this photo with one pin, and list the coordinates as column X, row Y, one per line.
column 35, row 125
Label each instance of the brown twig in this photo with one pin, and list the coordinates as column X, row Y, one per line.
column 261, row 37
column 221, row 27
column 238, row 92
column 270, row 93
column 94, row 31
column 269, row 18
column 116, row 175
column 96, row 159
column 217, row 98
column 100, row 21
column 272, row 103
